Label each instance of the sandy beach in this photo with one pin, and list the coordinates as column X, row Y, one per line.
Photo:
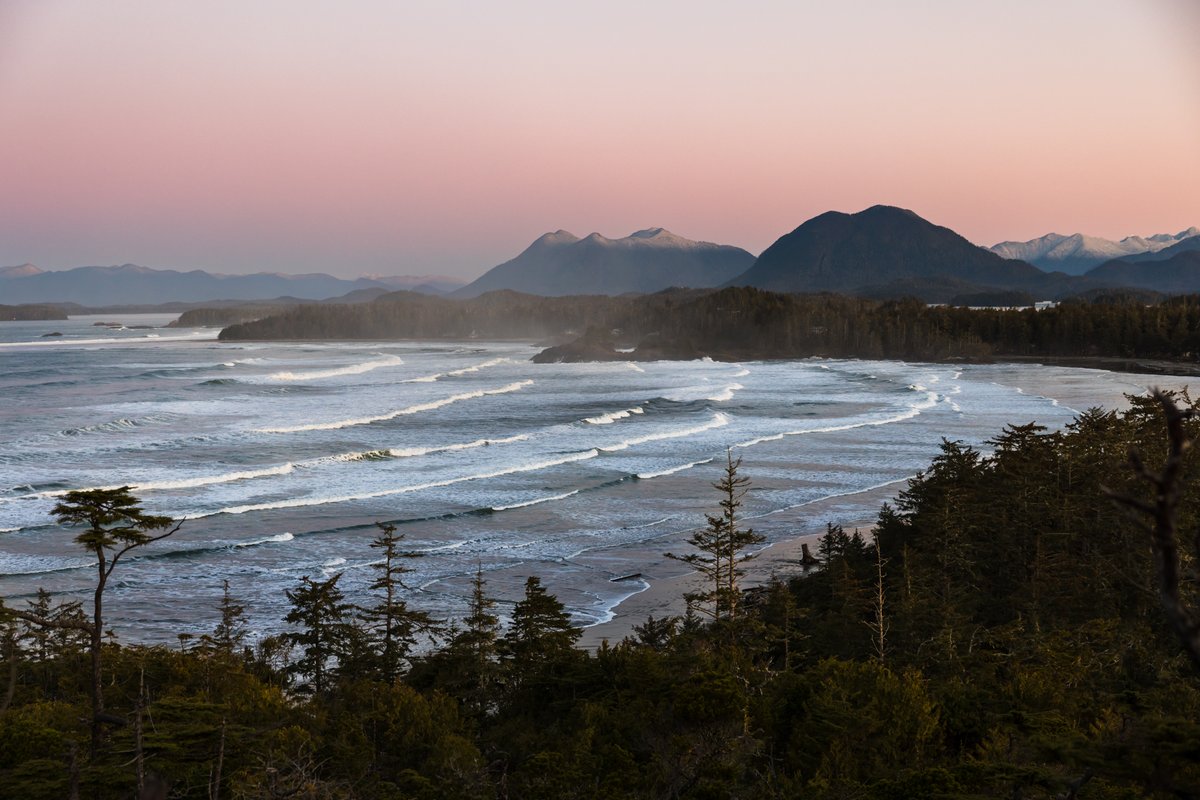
column 664, row 597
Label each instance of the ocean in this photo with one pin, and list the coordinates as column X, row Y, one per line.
column 282, row 457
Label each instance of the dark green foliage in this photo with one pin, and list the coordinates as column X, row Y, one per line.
column 324, row 632
column 391, row 627
column 745, row 323
column 230, row 632
column 721, row 550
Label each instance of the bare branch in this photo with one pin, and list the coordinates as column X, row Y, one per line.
column 142, row 543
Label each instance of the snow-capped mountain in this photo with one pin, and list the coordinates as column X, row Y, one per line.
column 1078, row 253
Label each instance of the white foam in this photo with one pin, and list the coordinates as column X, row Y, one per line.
column 279, row 537
column 535, row 502
column 741, row 373
column 613, row 416
column 634, row 366
column 913, row 411
column 353, row 369
column 456, row 372
column 412, row 452
column 302, row 502
column 726, row 393
column 719, row 420
column 645, row 476
column 430, row 406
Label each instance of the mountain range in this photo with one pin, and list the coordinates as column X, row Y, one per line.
column 131, row 284
column 1078, row 253
column 650, row 260
column 881, row 252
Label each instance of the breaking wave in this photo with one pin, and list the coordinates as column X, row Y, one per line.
column 301, row 502
column 353, row 369
column 415, row 409
column 613, row 416
column 719, row 420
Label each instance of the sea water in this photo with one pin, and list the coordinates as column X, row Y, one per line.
column 282, row 457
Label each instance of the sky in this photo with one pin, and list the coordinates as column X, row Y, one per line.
column 443, row 137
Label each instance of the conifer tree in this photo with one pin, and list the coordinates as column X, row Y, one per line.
column 721, row 548
column 230, row 632
column 473, row 651
column 115, row 525
column 393, row 626
column 541, row 632
column 325, row 633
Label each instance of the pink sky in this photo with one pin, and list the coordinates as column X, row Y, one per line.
column 443, row 137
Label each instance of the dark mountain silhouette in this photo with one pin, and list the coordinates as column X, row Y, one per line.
column 880, row 246
column 560, row 264
column 1178, row 274
column 130, row 284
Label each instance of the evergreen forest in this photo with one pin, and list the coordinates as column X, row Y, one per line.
column 745, row 323
column 1016, row 626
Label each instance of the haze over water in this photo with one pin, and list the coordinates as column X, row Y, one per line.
column 282, row 456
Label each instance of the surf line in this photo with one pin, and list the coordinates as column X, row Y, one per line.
column 415, row 409
column 318, row 501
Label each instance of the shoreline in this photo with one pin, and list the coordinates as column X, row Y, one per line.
column 663, row 597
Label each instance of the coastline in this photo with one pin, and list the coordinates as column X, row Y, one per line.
column 663, row 597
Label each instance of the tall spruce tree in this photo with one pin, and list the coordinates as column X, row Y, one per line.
column 230, row 632
column 541, row 632
column 393, row 627
column 320, row 610
column 721, row 548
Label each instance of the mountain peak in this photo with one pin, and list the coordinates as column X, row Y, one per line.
column 648, row 260
column 874, row 248
column 650, row 233
column 19, row 271
column 1077, row 253
column 882, row 210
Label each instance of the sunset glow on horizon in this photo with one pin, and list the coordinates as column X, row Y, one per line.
column 422, row 138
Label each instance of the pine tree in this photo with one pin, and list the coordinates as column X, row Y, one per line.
column 392, row 626
column 721, row 548
column 231, row 630
column 472, row 672
column 541, row 632
column 116, row 525
column 325, row 633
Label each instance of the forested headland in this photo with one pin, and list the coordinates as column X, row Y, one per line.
column 1005, row 633
column 30, row 312
column 742, row 323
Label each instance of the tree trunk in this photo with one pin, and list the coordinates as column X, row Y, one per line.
column 97, row 639
column 214, row 792
column 139, row 752
column 73, row 772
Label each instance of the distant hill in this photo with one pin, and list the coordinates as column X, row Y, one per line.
column 130, row 284
column 30, row 312
column 650, row 260
column 883, row 247
column 1077, row 253
column 1179, row 274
